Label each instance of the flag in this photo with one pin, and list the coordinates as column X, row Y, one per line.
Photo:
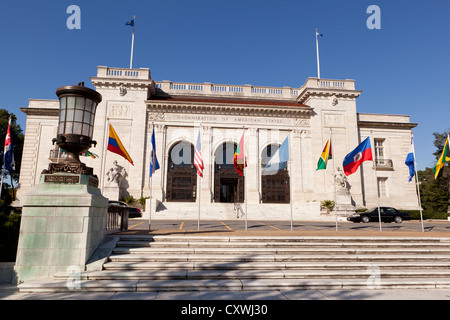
column 281, row 156
column 353, row 160
column 89, row 154
column 116, row 146
column 154, row 164
column 130, row 23
column 410, row 160
column 325, row 156
column 445, row 156
column 198, row 161
column 8, row 152
column 239, row 162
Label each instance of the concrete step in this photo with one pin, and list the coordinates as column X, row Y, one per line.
column 231, row 274
column 233, row 244
column 162, row 265
column 153, row 257
column 211, row 263
column 318, row 239
column 229, row 285
column 269, row 250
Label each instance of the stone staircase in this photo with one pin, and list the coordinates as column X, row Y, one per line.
column 209, row 263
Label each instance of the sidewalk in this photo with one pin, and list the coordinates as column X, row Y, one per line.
column 9, row 292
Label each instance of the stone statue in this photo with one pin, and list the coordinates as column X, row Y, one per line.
column 116, row 174
column 340, row 179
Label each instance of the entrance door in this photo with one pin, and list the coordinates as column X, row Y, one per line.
column 228, row 184
column 228, row 189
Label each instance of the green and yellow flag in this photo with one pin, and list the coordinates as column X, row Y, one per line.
column 325, row 156
column 445, row 157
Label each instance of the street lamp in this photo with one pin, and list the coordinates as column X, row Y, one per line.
column 77, row 106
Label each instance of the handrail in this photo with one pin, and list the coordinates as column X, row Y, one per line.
column 117, row 219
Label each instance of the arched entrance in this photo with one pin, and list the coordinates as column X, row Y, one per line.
column 181, row 173
column 228, row 184
column 275, row 179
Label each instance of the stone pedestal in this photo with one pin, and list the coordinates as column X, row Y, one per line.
column 63, row 222
column 344, row 204
column 112, row 192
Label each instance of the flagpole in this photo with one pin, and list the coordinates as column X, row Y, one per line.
column 290, row 178
column 2, row 173
column 317, row 50
column 199, row 181
column 334, row 181
column 105, row 149
column 132, row 43
column 245, row 183
column 417, row 181
column 150, row 182
column 376, row 178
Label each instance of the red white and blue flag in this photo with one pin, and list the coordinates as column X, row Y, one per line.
column 353, row 160
column 198, row 161
column 8, row 152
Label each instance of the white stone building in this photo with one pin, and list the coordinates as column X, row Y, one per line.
column 134, row 103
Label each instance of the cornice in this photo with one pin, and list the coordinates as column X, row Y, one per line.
column 308, row 92
column 113, row 83
column 229, row 109
column 40, row 111
column 386, row 125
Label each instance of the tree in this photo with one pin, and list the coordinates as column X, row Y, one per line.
column 435, row 193
column 17, row 139
column 328, row 204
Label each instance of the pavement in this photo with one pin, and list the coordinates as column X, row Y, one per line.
column 10, row 292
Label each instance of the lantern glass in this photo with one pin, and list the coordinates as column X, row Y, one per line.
column 76, row 115
column 77, row 106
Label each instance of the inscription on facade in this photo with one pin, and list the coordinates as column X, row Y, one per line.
column 237, row 119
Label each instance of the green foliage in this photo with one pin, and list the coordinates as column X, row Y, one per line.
column 129, row 200
column 433, row 192
column 142, row 201
column 328, row 204
column 415, row 214
column 439, row 141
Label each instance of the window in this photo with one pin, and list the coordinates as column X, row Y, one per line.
column 181, row 173
column 382, row 187
column 379, row 151
column 228, row 184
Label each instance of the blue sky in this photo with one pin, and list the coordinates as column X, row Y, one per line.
column 401, row 68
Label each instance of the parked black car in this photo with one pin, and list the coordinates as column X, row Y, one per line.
column 132, row 211
column 388, row 214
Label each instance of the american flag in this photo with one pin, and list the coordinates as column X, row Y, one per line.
column 198, row 161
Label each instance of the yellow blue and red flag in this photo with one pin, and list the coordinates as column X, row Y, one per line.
column 116, row 146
